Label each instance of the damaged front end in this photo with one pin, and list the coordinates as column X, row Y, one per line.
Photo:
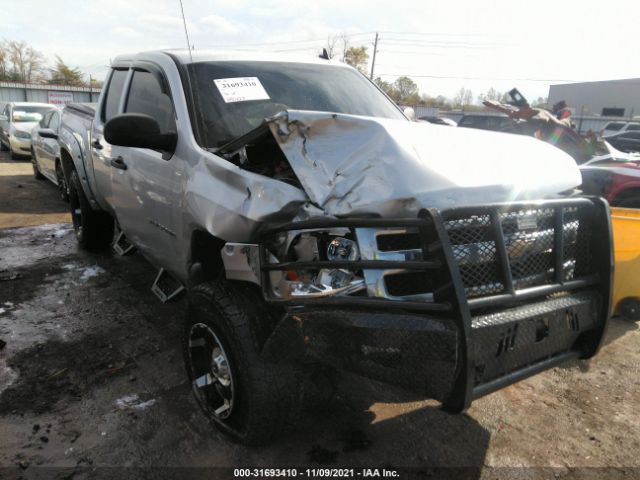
column 452, row 303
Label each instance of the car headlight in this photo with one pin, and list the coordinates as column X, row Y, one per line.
column 311, row 246
column 341, row 248
column 21, row 134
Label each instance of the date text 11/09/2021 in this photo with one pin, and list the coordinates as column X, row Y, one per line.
column 316, row 472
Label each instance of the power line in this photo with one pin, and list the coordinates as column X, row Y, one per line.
column 460, row 77
column 285, row 42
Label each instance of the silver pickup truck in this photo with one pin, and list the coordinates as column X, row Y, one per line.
column 312, row 223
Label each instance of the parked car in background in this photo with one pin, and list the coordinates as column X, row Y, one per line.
column 497, row 123
column 626, row 141
column 616, row 180
column 45, row 151
column 17, row 119
column 615, row 127
column 439, row 121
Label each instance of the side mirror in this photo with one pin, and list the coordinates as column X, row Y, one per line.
column 138, row 130
column 47, row 133
column 410, row 113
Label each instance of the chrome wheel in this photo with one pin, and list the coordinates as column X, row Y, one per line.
column 211, row 371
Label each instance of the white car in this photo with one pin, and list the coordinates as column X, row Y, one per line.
column 17, row 119
column 615, row 127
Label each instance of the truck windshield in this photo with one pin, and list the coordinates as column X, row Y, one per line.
column 232, row 98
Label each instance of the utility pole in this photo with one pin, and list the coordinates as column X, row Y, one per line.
column 90, row 92
column 373, row 60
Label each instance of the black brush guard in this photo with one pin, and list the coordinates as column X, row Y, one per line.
column 518, row 288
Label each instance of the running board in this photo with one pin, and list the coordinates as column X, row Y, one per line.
column 166, row 287
column 122, row 246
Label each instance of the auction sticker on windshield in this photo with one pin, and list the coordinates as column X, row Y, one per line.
column 241, row 89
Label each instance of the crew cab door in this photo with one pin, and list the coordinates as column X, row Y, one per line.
column 46, row 148
column 101, row 151
column 145, row 183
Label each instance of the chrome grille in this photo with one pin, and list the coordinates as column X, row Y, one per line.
column 530, row 240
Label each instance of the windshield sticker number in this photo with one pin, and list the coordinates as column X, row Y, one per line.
column 241, row 89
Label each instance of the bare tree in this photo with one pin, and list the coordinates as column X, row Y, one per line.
column 27, row 64
column 462, row 98
column 332, row 45
column 344, row 38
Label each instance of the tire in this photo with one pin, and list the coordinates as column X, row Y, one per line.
column 94, row 229
column 629, row 201
column 62, row 183
column 254, row 401
column 36, row 172
column 630, row 309
column 3, row 147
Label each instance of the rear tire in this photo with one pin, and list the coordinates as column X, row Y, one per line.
column 94, row 229
column 630, row 309
column 253, row 402
column 36, row 172
column 62, row 183
column 3, row 147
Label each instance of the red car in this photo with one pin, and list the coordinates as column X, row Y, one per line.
column 616, row 180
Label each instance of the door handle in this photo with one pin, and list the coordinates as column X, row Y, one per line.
column 118, row 162
column 96, row 144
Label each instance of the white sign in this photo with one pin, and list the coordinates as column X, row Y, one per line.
column 60, row 98
column 241, row 89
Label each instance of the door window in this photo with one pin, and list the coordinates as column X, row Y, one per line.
column 45, row 120
column 114, row 94
column 54, row 122
column 148, row 95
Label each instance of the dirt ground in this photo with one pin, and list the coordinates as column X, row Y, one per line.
column 92, row 377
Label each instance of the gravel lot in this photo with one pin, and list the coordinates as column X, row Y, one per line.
column 92, row 376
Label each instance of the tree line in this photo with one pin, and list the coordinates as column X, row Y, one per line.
column 20, row 62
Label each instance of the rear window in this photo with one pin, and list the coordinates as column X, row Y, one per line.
column 615, row 126
column 634, row 126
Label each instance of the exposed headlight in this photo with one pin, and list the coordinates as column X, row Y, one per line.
column 21, row 134
column 310, row 246
column 340, row 249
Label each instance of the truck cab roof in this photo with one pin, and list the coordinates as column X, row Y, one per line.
column 184, row 57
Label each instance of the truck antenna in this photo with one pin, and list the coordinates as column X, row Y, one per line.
column 186, row 33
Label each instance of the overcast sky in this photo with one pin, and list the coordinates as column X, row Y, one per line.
column 443, row 45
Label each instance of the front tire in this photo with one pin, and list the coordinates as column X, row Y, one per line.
column 94, row 229
column 34, row 163
column 245, row 397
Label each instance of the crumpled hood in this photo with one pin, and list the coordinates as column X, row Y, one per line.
column 349, row 164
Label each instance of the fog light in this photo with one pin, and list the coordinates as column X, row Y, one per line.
column 341, row 249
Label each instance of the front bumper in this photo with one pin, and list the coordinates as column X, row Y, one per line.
column 508, row 300
column 20, row 145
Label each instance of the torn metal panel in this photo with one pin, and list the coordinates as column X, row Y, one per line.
column 242, row 262
column 361, row 165
column 231, row 202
